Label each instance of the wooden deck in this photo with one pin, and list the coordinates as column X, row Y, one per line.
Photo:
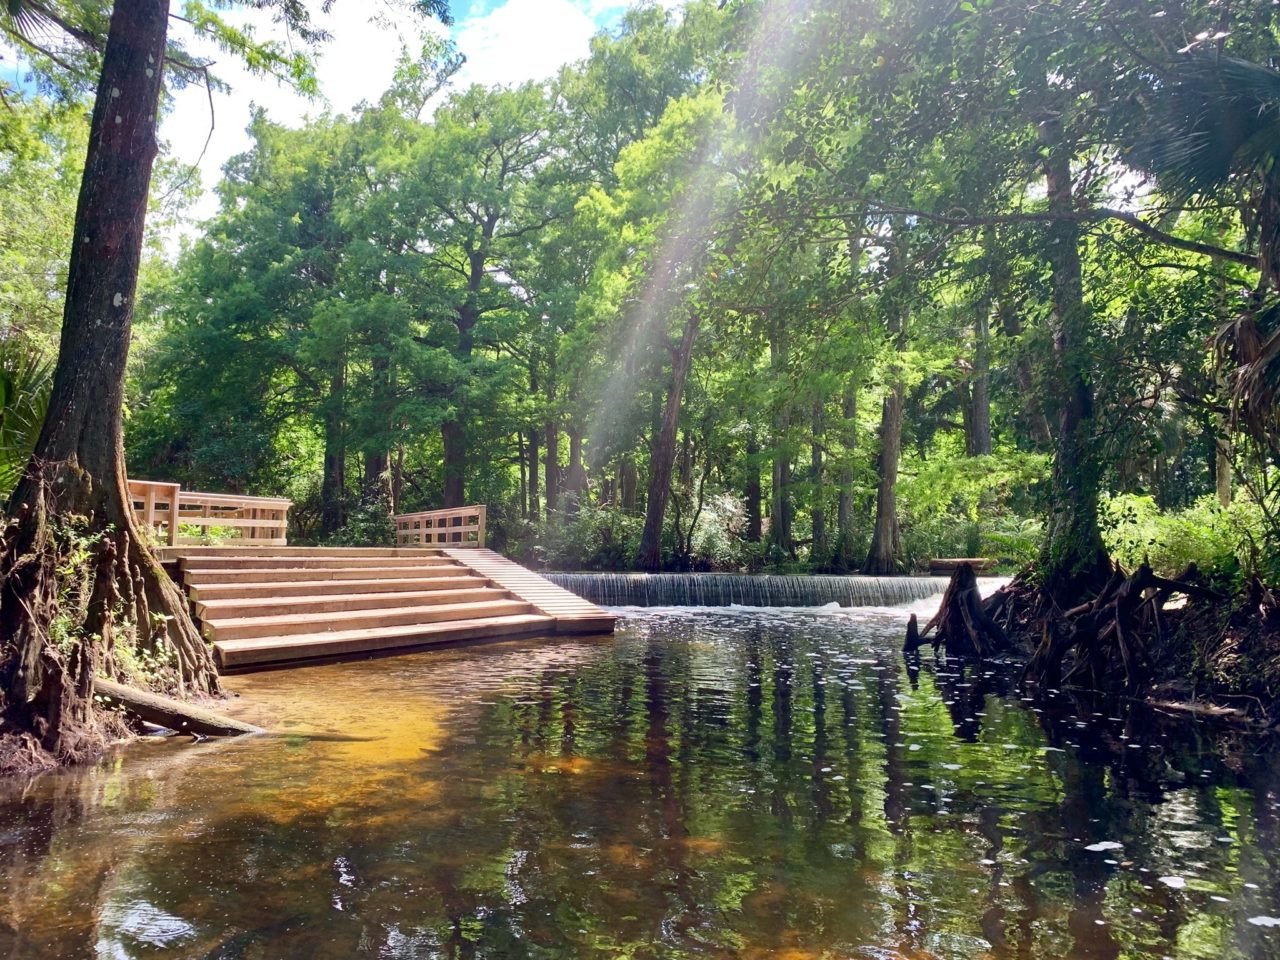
column 265, row 607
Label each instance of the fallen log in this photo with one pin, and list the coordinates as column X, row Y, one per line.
column 945, row 565
column 174, row 714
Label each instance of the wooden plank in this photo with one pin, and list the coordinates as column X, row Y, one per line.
column 236, row 550
column 247, row 654
column 455, row 526
column 282, row 626
column 197, row 576
column 240, row 607
column 313, row 563
column 579, row 615
column 320, row 588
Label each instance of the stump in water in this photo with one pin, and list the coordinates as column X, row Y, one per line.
column 962, row 624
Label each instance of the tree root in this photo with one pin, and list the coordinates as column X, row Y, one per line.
column 1123, row 637
column 82, row 596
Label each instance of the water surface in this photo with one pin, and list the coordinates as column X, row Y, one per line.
column 708, row 783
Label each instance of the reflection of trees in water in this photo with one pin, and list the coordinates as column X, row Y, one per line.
column 755, row 794
column 34, row 895
column 1116, row 779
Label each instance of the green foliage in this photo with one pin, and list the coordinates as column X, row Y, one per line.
column 368, row 525
column 42, row 147
column 1217, row 540
column 592, row 538
column 393, row 306
column 26, row 379
column 76, row 548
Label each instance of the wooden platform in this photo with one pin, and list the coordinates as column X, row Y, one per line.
column 271, row 606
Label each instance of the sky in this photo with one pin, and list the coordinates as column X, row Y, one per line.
column 505, row 42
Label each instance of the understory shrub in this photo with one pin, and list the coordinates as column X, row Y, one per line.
column 594, row 537
column 368, row 525
column 1217, row 540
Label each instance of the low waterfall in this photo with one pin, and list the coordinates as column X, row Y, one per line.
column 724, row 589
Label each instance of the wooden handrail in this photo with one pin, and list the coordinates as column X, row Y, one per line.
column 454, row 527
column 153, row 506
column 257, row 521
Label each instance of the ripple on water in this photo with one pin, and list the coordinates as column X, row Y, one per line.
column 725, row 783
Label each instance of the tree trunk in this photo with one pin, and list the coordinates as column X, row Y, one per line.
column 535, row 504
column 377, row 478
column 333, row 483
column 397, row 480
column 1034, row 421
column 978, row 419
column 780, row 532
column 627, row 482
column 377, row 452
column 74, row 488
column 455, row 462
column 452, row 432
column 979, row 434
column 886, row 547
column 662, row 460
column 1222, row 471
column 753, row 492
column 576, row 480
column 553, row 466
column 1073, row 555
column 818, row 551
column 523, row 464
column 844, row 505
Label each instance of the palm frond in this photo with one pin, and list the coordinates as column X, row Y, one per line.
column 1248, row 351
column 27, row 18
column 26, row 378
column 1211, row 117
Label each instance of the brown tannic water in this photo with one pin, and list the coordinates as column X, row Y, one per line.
column 713, row 783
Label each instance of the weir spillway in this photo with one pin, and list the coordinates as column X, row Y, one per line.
column 735, row 589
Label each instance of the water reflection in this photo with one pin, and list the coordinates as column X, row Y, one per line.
column 723, row 783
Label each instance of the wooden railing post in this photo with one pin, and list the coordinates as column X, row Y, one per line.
column 456, row 527
column 257, row 521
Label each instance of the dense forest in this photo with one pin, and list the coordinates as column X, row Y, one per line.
column 786, row 285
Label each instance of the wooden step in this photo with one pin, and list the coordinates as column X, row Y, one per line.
column 200, row 577
column 439, row 580
column 312, row 563
column 240, row 607
column 245, row 628
column 247, row 654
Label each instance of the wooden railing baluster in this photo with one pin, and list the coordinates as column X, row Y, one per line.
column 454, row 527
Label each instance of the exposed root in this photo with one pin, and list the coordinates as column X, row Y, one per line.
column 81, row 596
column 1138, row 633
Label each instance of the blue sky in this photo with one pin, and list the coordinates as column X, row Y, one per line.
column 505, row 42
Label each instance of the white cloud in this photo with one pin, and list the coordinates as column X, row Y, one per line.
column 355, row 65
column 524, row 40
column 517, row 40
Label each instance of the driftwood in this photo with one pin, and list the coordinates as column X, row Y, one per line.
column 183, row 717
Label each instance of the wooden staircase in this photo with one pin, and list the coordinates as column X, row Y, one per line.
column 269, row 606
